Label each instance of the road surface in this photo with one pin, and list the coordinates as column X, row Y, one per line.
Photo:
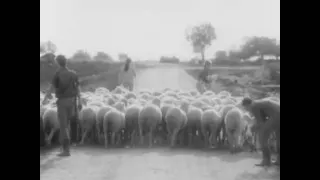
column 97, row 163
column 164, row 76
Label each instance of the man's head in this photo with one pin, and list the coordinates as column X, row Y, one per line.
column 247, row 103
column 61, row 60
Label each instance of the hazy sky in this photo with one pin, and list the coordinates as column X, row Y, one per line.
column 147, row 29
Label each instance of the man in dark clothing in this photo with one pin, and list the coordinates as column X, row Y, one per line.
column 66, row 86
column 267, row 116
column 205, row 73
column 203, row 76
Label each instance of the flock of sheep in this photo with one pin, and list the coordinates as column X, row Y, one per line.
column 174, row 115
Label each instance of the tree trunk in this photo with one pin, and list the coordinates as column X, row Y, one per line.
column 202, row 55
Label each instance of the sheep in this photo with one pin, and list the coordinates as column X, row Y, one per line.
column 113, row 122
column 175, row 120
column 149, row 118
column 209, row 93
column 87, row 121
column 249, row 134
column 223, row 112
column 162, row 130
column 224, row 94
column 130, row 95
column 235, row 128
column 99, row 121
column 132, row 121
column 193, row 125
column 211, row 122
column 51, row 123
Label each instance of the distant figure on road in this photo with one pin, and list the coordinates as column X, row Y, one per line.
column 203, row 80
column 127, row 76
column 65, row 84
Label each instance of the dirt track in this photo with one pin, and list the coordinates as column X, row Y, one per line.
column 153, row 164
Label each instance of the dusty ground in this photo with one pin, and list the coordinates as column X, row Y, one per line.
column 163, row 164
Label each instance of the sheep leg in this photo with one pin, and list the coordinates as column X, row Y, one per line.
column 141, row 138
column 190, row 139
column 83, row 137
column 119, row 138
column 150, row 138
column 231, row 142
column 206, row 139
column 105, row 139
column 99, row 135
column 133, row 135
column 212, row 135
column 169, row 135
column 174, row 137
column 48, row 140
column 113, row 136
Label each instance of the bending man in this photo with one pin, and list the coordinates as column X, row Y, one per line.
column 267, row 115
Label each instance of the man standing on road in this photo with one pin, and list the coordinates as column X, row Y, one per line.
column 66, row 86
column 203, row 79
column 127, row 76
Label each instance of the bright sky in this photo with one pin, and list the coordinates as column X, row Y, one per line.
column 147, row 29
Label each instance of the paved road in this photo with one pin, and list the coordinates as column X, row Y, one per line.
column 164, row 76
column 163, row 164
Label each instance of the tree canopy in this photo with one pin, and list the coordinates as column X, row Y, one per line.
column 201, row 37
column 81, row 55
column 102, row 56
column 47, row 47
column 260, row 46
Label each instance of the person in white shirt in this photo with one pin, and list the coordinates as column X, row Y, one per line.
column 127, row 76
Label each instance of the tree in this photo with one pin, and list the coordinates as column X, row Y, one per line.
column 81, row 55
column 201, row 37
column 259, row 46
column 48, row 47
column 221, row 55
column 234, row 56
column 122, row 57
column 102, row 56
column 42, row 50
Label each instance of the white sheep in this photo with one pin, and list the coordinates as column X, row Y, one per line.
column 235, row 128
column 193, row 126
column 211, row 122
column 87, row 121
column 113, row 122
column 149, row 118
column 99, row 120
column 176, row 119
column 132, row 121
column 50, row 121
